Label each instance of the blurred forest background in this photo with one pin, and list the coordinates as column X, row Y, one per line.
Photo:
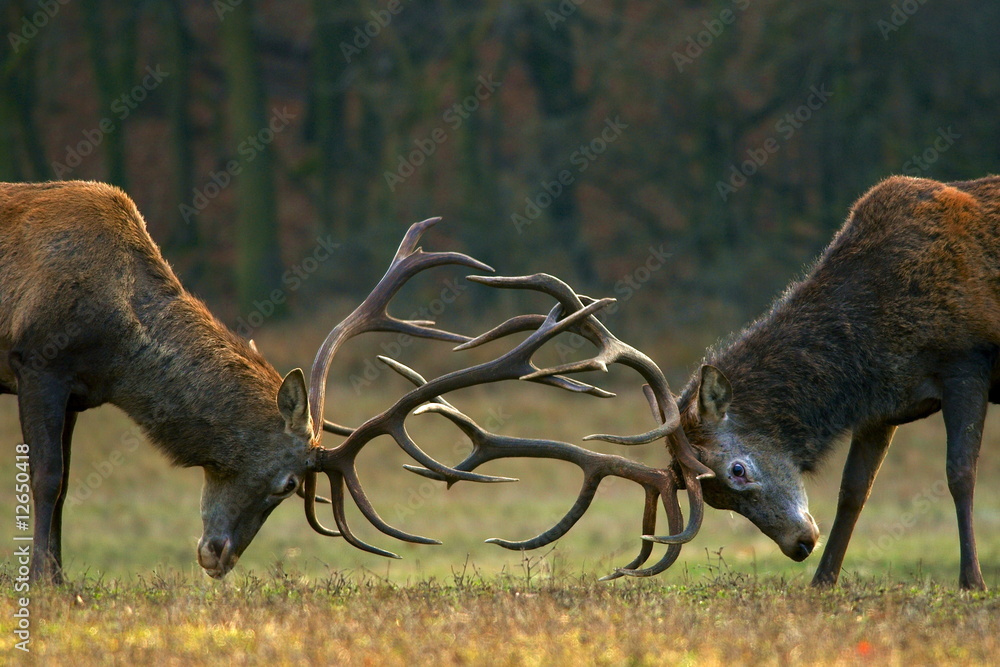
column 690, row 156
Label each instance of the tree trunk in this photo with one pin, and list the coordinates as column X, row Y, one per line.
column 551, row 61
column 113, row 70
column 178, row 41
column 334, row 24
column 258, row 262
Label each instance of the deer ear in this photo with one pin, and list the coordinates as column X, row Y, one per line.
column 293, row 403
column 714, row 394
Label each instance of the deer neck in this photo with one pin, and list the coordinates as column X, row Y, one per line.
column 192, row 384
column 802, row 382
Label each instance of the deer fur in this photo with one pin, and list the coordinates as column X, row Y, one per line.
column 899, row 318
column 91, row 313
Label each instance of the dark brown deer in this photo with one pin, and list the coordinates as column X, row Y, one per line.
column 899, row 318
column 90, row 313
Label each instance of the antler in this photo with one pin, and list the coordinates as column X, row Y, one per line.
column 572, row 313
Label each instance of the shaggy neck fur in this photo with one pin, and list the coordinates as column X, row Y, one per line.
column 198, row 390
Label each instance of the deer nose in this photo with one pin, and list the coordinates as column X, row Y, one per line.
column 216, row 556
column 217, row 545
column 803, row 549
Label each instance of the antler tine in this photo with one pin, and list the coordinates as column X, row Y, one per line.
column 573, row 312
column 311, row 497
column 338, row 462
column 361, row 500
column 521, row 323
column 301, row 493
column 675, row 520
column 372, row 315
column 697, row 503
column 337, row 496
column 646, row 550
column 595, row 466
column 410, row 374
column 336, row 429
column 611, row 350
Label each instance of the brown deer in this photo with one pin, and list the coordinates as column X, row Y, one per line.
column 90, row 313
column 899, row 318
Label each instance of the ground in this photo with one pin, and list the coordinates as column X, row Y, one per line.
column 136, row 593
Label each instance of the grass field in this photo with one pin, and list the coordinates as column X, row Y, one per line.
column 137, row 595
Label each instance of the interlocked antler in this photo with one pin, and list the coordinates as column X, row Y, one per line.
column 572, row 313
column 658, row 483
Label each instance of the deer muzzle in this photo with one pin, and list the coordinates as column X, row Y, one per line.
column 217, row 556
column 797, row 545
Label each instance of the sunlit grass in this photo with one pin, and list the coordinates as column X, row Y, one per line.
column 137, row 593
column 720, row 617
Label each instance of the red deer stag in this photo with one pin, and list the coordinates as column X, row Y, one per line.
column 90, row 313
column 899, row 318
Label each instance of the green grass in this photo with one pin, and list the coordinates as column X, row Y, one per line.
column 137, row 593
column 715, row 619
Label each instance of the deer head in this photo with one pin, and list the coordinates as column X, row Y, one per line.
column 235, row 503
column 753, row 475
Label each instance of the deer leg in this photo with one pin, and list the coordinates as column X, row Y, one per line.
column 55, row 540
column 868, row 448
column 964, row 407
column 42, row 403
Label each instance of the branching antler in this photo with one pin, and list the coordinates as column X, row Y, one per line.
column 572, row 313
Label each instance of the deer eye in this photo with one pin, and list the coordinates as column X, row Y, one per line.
column 290, row 486
column 738, row 470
